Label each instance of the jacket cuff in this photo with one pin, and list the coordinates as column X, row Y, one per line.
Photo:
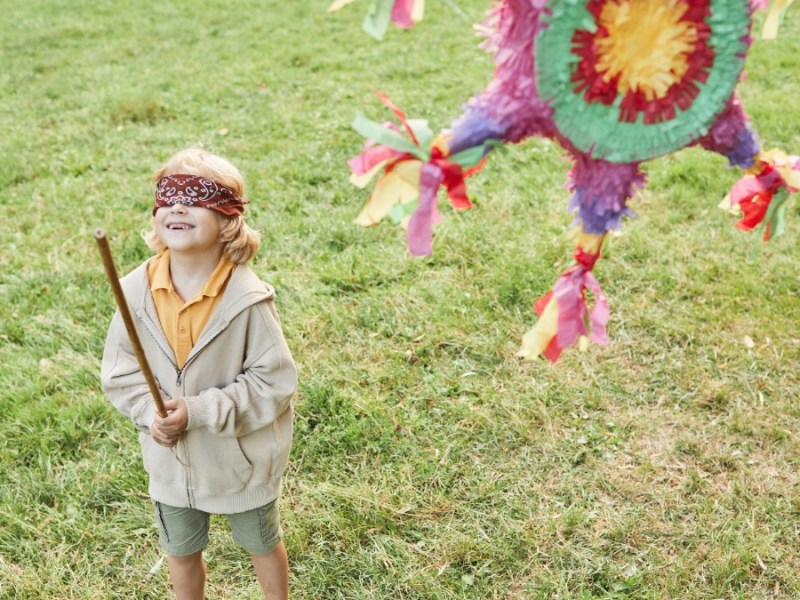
column 199, row 413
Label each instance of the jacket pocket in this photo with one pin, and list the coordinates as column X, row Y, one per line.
column 260, row 449
column 161, row 463
column 218, row 464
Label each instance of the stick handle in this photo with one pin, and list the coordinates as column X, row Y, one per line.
column 113, row 279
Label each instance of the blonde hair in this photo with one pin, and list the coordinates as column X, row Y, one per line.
column 240, row 242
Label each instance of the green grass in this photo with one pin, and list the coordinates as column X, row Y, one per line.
column 428, row 462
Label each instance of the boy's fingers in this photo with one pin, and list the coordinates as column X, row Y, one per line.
column 165, row 421
column 169, row 425
column 164, row 439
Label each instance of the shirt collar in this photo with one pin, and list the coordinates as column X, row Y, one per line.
column 161, row 280
column 159, row 276
column 219, row 277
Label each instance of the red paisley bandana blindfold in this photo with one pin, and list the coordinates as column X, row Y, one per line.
column 191, row 190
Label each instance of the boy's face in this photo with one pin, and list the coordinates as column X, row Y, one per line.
column 188, row 229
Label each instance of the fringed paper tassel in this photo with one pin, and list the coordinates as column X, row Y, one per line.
column 413, row 166
column 762, row 193
column 406, row 13
column 564, row 313
column 403, row 13
column 775, row 15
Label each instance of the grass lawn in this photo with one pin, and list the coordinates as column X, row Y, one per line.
column 428, row 462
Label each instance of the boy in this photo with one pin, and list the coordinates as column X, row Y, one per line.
column 213, row 339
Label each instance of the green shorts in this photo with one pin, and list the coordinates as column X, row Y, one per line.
column 184, row 531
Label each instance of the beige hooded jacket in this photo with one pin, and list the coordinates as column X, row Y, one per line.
column 238, row 382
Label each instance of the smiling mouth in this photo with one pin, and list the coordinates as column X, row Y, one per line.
column 179, row 226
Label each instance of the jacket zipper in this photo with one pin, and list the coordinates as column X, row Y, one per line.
column 188, row 471
column 179, row 373
column 178, row 380
column 178, row 370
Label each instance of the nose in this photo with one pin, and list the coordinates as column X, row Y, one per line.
column 178, row 209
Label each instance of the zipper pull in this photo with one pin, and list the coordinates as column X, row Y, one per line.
column 178, row 380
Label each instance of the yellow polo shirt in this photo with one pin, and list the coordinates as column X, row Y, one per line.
column 183, row 322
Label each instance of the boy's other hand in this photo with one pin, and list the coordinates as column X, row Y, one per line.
column 167, row 430
column 177, row 417
column 164, row 439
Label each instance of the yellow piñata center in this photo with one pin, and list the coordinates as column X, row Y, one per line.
column 647, row 45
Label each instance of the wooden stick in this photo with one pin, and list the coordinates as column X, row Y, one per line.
column 113, row 279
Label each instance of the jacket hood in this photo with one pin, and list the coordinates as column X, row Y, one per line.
column 245, row 287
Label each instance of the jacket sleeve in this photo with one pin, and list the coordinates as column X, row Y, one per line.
column 122, row 378
column 261, row 392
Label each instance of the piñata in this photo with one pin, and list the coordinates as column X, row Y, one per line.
column 615, row 83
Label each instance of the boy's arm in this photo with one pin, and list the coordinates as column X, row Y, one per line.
column 261, row 393
column 122, row 378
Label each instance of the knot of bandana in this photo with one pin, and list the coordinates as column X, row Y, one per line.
column 191, row 190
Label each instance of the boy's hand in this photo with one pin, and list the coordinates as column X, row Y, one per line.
column 162, row 438
column 167, row 430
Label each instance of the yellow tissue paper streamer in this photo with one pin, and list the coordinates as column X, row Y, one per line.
column 338, row 4
column 590, row 242
column 773, row 20
column 536, row 339
column 418, row 11
column 362, row 180
column 399, row 186
column 783, row 164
